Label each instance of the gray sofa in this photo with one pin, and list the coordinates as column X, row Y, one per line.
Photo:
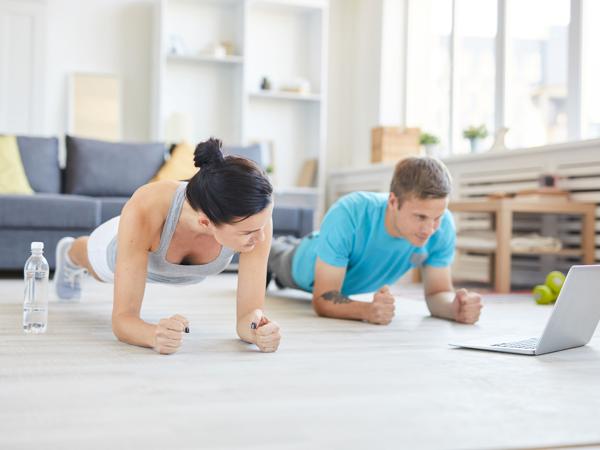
column 98, row 179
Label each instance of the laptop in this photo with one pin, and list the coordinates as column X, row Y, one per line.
column 571, row 324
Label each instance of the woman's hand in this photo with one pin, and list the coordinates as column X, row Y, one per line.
column 265, row 333
column 168, row 334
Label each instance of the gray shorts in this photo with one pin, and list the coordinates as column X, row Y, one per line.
column 281, row 256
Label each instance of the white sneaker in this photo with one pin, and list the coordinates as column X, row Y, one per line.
column 68, row 277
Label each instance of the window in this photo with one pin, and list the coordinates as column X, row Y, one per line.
column 504, row 63
column 536, row 72
column 474, row 64
column 590, row 70
column 428, row 88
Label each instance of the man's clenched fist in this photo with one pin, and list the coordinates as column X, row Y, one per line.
column 381, row 309
column 466, row 306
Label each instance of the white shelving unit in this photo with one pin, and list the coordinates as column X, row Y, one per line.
column 220, row 95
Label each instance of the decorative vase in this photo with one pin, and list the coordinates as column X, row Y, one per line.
column 498, row 144
column 432, row 150
column 474, row 144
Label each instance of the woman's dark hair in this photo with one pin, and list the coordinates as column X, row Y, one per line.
column 227, row 189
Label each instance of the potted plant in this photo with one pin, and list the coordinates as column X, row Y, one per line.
column 430, row 142
column 474, row 134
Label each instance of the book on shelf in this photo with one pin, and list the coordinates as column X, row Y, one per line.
column 308, row 173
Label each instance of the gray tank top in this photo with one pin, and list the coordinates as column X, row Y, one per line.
column 162, row 271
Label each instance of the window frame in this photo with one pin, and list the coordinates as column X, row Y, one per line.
column 574, row 70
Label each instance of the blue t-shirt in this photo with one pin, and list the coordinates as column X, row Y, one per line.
column 353, row 235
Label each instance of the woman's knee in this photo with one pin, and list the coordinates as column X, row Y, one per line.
column 78, row 253
column 78, row 249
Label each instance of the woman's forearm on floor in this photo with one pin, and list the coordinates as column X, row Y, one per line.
column 133, row 330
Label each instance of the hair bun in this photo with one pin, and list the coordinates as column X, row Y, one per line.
column 208, row 153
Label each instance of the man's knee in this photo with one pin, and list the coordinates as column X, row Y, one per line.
column 280, row 260
column 280, row 248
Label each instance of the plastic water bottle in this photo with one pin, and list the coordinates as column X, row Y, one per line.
column 35, row 306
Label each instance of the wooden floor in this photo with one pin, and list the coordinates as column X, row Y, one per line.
column 332, row 384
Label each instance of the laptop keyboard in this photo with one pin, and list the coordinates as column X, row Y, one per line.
column 526, row 344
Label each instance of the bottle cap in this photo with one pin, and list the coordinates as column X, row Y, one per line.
column 37, row 246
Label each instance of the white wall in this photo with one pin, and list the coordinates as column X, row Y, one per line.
column 341, row 79
column 393, row 62
column 353, row 80
column 22, row 32
column 366, row 66
column 367, row 53
column 102, row 36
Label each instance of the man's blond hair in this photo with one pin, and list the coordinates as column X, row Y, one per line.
column 422, row 178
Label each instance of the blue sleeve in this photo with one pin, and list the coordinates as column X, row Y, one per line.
column 441, row 253
column 336, row 235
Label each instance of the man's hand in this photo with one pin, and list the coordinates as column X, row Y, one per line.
column 466, row 306
column 381, row 309
column 266, row 333
column 168, row 334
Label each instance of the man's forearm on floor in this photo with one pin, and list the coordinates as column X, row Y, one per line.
column 336, row 305
column 440, row 304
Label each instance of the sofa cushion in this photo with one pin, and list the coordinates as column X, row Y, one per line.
column 40, row 160
column 292, row 221
column 110, row 207
column 15, row 245
column 13, row 179
column 110, row 169
column 180, row 166
column 48, row 211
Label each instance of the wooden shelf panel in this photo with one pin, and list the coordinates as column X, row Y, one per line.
column 576, row 252
column 523, row 206
column 201, row 59
column 280, row 95
column 293, row 6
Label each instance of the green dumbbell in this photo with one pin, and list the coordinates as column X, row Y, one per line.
column 543, row 295
column 547, row 293
column 555, row 281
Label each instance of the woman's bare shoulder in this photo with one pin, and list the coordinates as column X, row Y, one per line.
column 152, row 200
column 157, row 190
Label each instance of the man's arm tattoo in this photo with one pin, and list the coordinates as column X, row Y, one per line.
column 335, row 296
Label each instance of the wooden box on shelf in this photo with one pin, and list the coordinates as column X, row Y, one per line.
column 390, row 144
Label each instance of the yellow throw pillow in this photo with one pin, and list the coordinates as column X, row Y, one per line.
column 12, row 174
column 180, row 166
